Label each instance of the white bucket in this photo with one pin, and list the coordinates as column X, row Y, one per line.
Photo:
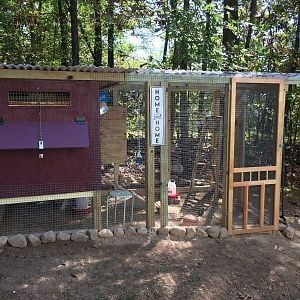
column 82, row 203
column 171, row 187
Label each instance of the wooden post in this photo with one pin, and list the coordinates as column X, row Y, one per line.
column 97, row 210
column 169, row 137
column 262, row 205
column 245, row 205
column 150, row 168
column 231, row 155
column 164, row 164
column 226, row 155
column 280, row 125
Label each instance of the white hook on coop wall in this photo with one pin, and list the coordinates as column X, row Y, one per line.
column 41, row 145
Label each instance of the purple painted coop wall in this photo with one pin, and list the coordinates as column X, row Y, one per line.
column 71, row 160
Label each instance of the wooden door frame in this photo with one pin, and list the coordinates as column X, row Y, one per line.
column 277, row 168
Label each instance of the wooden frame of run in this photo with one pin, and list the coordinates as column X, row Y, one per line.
column 262, row 227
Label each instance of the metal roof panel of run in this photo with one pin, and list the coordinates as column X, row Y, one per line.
column 213, row 76
column 156, row 74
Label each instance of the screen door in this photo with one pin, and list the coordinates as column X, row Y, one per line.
column 255, row 149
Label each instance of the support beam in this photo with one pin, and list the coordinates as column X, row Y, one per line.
column 231, row 156
column 169, row 137
column 97, row 210
column 226, row 155
column 279, row 146
column 150, row 168
column 262, row 205
column 164, row 164
column 245, row 206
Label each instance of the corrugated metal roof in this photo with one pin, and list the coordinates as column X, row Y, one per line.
column 169, row 75
column 69, row 68
column 200, row 73
column 203, row 76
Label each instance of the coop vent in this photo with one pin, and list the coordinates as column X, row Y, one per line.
column 37, row 98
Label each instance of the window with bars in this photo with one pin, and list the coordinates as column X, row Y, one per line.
column 38, row 98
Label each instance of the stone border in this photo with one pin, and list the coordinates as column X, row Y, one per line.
column 34, row 240
column 287, row 231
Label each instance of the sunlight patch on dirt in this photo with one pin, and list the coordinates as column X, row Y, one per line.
column 170, row 247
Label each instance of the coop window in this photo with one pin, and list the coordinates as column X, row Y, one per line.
column 38, row 98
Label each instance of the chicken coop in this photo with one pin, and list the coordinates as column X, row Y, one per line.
column 86, row 147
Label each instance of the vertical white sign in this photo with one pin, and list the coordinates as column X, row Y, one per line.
column 157, row 116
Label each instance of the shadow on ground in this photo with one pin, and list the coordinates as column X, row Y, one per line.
column 246, row 267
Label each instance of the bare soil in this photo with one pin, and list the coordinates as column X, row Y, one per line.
column 260, row 266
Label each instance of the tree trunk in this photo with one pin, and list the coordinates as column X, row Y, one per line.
column 110, row 34
column 253, row 8
column 166, row 45
column 184, row 96
column 175, row 62
column 207, row 42
column 33, row 31
column 184, row 46
column 296, row 53
column 167, row 35
column 63, row 32
column 74, row 32
column 86, row 39
column 229, row 37
column 98, row 34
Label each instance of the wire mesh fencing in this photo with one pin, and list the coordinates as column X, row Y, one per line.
column 123, row 178
column 50, row 155
column 197, row 137
column 68, row 143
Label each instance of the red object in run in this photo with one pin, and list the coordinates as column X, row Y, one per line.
column 174, row 198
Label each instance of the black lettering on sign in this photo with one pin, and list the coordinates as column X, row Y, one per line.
column 157, row 128
column 157, row 134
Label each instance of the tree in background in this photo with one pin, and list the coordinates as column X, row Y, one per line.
column 255, row 35
column 74, row 32
column 62, row 11
column 230, row 37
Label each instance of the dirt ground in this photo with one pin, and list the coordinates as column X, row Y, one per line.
column 260, row 266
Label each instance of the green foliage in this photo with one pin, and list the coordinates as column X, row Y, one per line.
column 30, row 32
column 263, row 36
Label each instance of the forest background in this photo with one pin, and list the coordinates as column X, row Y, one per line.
column 208, row 35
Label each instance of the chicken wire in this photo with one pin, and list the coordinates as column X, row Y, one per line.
column 50, row 187
column 197, row 137
column 124, row 200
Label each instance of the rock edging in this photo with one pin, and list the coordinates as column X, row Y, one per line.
column 287, row 231
column 187, row 232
